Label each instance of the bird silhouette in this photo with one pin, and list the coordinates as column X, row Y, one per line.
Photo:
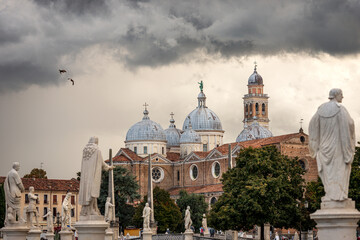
column 62, row 71
column 70, row 79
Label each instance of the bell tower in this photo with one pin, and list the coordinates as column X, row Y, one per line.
column 256, row 102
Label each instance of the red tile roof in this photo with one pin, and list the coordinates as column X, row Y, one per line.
column 49, row 184
column 197, row 189
column 202, row 154
column 172, row 156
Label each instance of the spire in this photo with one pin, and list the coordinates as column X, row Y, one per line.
column 255, row 66
column 172, row 121
column 301, row 129
column 146, row 112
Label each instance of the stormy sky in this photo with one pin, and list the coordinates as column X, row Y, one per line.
column 124, row 53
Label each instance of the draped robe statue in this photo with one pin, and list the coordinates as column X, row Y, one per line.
column 146, row 215
column 109, row 210
column 91, row 166
column 204, row 224
column 66, row 212
column 13, row 188
column 188, row 221
column 332, row 143
column 49, row 221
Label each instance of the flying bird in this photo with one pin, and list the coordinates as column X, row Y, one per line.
column 62, row 71
column 70, row 79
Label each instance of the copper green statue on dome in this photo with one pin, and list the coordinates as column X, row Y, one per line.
column 201, row 85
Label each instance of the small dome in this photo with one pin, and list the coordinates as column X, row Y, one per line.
column 190, row 136
column 146, row 130
column 255, row 78
column 254, row 131
column 172, row 134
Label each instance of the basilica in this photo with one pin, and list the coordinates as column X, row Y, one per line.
column 195, row 157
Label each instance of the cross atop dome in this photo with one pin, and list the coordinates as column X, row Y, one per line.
column 146, row 112
column 255, row 67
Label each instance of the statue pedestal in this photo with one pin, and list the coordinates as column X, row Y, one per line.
column 147, row 234
column 109, row 234
column 15, row 232
column 267, row 231
column 66, row 235
column 336, row 220
column 34, row 234
column 206, row 233
column 50, row 236
column 189, row 234
column 91, row 227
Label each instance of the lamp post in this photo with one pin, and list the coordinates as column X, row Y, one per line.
column 58, row 219
column 306, row 205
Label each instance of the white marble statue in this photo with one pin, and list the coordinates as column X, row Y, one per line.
column 146, row 215
column 49, row 221
column 109, row 210
column 332, row 143
column 296, row 236
column 91, row 167
column 13, row 188
column 204, row 224
column 187, row 219
column 66, row 212
column 31, row 211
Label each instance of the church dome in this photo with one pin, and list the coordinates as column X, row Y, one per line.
column 202, row 118
column 255, row 78
column 254, row 131
column 172, row 134
column 190, row 136
column 146, row 130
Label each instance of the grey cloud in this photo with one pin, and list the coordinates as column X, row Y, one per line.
column 157, row 33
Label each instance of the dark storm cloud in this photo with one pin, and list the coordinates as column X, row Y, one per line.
column 156, row 33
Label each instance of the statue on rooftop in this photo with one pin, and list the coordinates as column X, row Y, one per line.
column 332, row 143
column 201, row 85
column 13, row 188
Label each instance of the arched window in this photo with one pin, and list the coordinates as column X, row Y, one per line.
column 263, row 108
column 257, row 107
column 215, row 169
column 213, row 200
column 250, row 108
column 302, row 164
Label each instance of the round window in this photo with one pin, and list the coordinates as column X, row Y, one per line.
column 157, row 174
column 302, row 164
column 194, row 172
column 216, row 169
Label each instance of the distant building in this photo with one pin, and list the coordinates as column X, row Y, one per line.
column 51, row 193
column 195, row 157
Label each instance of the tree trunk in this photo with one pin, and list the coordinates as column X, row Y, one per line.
column 262, row 235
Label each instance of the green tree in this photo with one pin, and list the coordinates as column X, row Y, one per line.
column 166, row 213
column 354, row 186
column 197, row 205
column 126, row 191
column 36, row 173
column 261, row 188
column 2, row 205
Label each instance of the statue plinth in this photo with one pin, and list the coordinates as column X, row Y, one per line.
column 109, row 234
column 15, row 232
column 91, row 227
column 336, row 220
column 189, row 234
column 66, row 234
column 147, row 234
column 34, row 234
column 50, row 236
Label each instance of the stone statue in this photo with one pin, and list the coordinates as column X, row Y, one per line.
column 31, row 211
column 201, row 85
column 91, row 166
column 109, row 210
column 188, row 221
column 13, row 188
column 296, row 236
column 66, row 212
column 146, row 215
column 49, row 221
column 204, row 224
column 332, row 143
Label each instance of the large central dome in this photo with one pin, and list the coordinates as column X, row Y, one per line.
column 202, row 118
column 146, row 130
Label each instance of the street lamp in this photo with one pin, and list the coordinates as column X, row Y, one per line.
column 58, row 219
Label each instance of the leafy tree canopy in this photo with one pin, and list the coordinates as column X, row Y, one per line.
column 36, row 173
column 197, row 205
column 261, row 188
column 126, row 191
column 166, row 213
